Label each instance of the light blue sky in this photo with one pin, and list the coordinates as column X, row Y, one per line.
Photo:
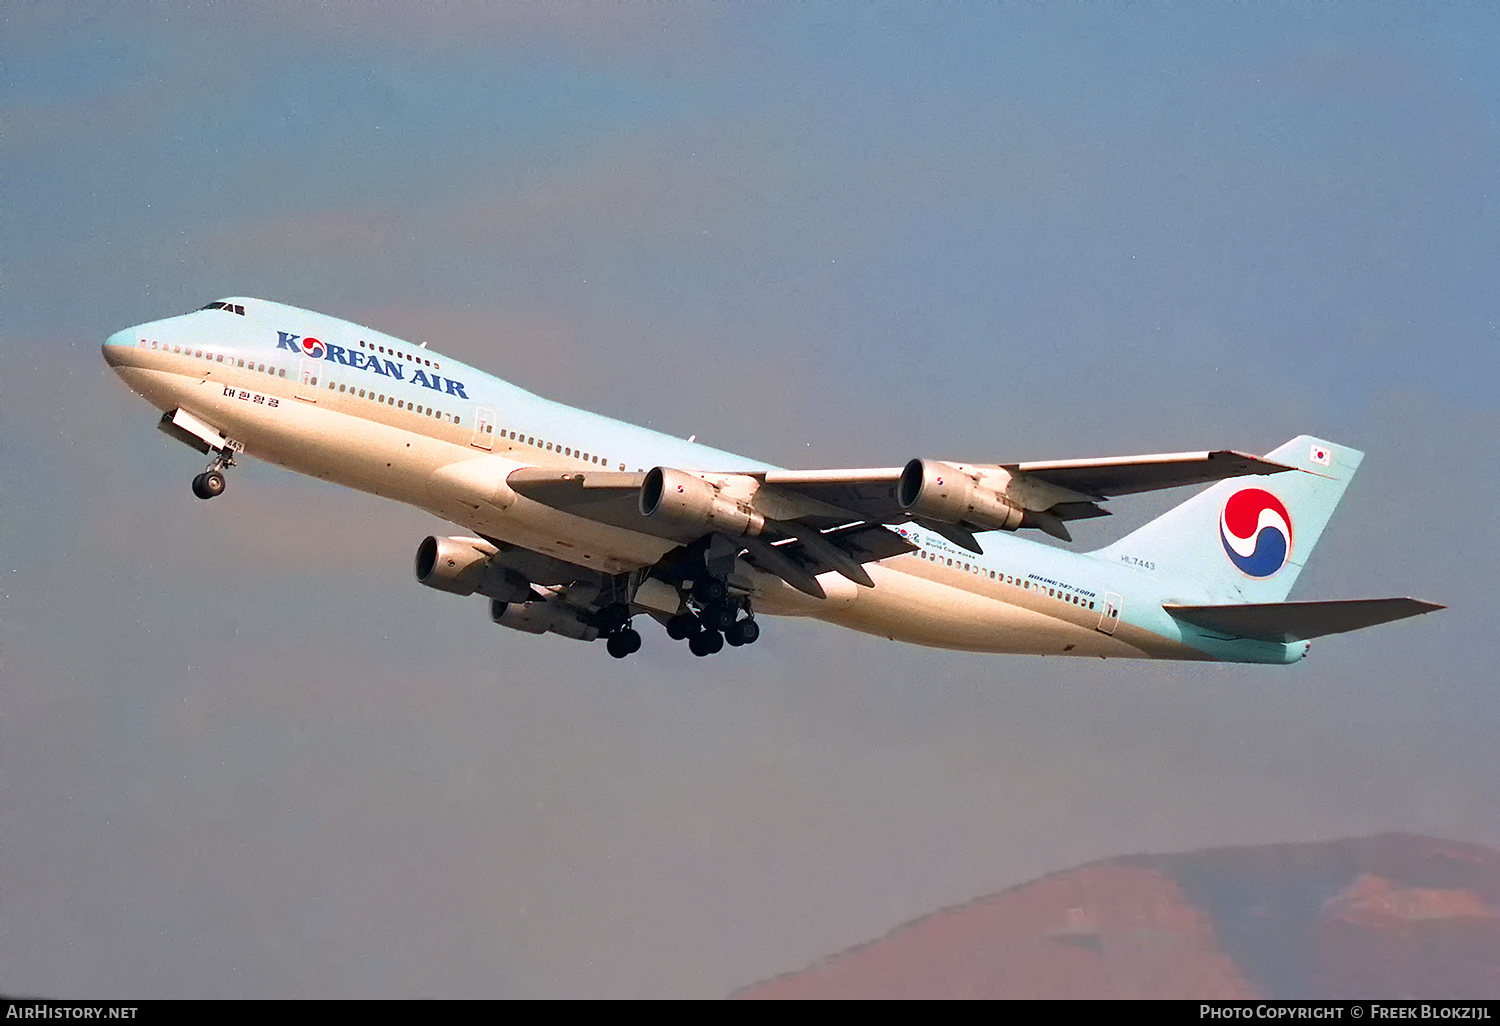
column 242, row 753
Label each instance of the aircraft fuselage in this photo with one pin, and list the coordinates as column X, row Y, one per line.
column 333, row 400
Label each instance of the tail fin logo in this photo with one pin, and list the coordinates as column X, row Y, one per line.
column 1256, row 531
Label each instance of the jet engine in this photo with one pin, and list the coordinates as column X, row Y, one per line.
column 462, row 566
column 945, row 493
column 685, row 500
column 541, row 616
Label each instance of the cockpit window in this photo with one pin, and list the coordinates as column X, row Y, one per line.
column 226, row 307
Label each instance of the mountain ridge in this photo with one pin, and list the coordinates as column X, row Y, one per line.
column 1395, row 915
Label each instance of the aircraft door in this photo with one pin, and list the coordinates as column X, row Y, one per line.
column 484, row 429
column 1110, row 618
column 307, row 381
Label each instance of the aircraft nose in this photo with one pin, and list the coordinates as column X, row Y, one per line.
column 117, row 345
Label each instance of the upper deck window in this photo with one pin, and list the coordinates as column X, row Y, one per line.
column 226, row 307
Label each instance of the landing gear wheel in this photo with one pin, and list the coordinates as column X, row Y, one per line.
column 744, row 632
column 706, row 643
column 683, row 625
column 624, row 642
column 208, row 484
column 711, row 591
column 720, row 618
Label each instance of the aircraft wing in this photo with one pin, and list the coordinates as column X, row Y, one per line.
column 796, row 538
column 815, row 495
column 1128, row 475
column 604, row 496
column 800, row 523
column 1298, row 621
column 613, row 498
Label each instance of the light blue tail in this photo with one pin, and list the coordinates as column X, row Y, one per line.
column 1247, row 538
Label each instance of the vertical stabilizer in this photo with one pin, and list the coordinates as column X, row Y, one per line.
column 1246, row 539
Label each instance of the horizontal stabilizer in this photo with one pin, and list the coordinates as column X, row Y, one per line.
column 1298, row 621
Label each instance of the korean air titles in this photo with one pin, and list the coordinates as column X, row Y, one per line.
column 368, row 361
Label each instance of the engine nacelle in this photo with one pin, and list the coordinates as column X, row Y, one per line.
column 942, row 492
column 462, row 566
column 541, row 616
column 685, row 500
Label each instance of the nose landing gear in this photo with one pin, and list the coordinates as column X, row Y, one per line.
column 211, row 482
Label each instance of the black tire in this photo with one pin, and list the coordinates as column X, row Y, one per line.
column 208, row 484
column 719, row 618
column 631, row 639
column 617, row 645
column 711, row 591
column 705, row 643
column 681, row 626
column 742, row 633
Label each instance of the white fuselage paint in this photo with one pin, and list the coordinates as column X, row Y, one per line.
column 1040, row 599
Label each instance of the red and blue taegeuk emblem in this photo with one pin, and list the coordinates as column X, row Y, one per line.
column 1256, row 530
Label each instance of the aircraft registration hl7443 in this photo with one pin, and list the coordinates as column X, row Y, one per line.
column 580, row 525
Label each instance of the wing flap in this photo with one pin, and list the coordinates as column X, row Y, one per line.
column 870, row 542
column 808, row 552
column 1298, row 621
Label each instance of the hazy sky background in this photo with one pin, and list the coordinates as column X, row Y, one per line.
column 243, row 753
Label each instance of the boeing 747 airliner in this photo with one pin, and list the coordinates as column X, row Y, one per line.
column 579, row 524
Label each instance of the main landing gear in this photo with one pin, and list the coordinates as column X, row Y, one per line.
column 623, row 642
column 620, row 639
column 715, row 621
column 711, row 619
column 211, row 482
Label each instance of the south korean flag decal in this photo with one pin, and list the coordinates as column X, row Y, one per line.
column 1321, row 455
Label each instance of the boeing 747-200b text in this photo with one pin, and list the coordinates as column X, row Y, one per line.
column 579, row 523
